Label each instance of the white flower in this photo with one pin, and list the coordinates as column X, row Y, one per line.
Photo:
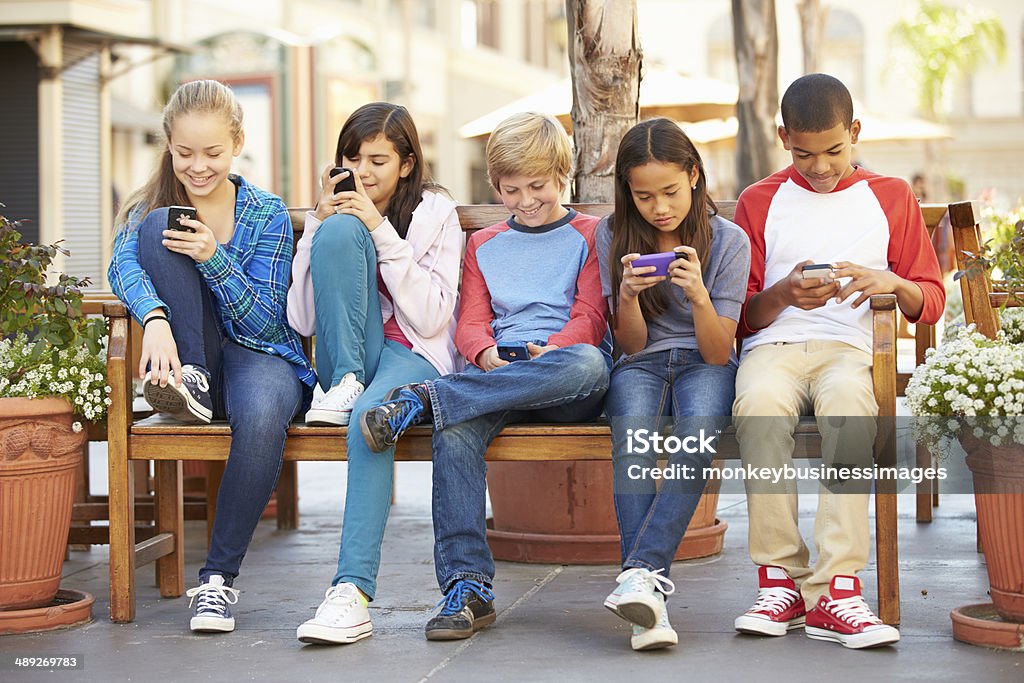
column 76, row 427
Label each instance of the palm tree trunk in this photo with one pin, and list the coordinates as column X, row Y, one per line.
column 605, row 60
column 757, row 53
column 812, row 31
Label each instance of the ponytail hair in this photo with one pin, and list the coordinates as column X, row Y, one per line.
column 396, row 125
column 163, row 188
column 663, row 141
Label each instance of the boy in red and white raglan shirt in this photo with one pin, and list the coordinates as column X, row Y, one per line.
column 807, row 350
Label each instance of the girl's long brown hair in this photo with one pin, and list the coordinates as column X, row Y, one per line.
column 163, row 188
column 656, row 140
column 394, row 123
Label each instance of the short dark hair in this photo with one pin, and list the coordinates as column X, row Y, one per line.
column 816, row 102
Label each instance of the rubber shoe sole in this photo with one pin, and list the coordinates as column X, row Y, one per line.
column 176, row 402
column 459, row 634
column 654, row 639
column 766, row 627
column 328, row 418
column 317, row 634
column 855, row 641
column 212, row 624
column 643, row 610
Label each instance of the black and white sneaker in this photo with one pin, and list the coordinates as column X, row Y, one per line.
column 211, row 605
column 190, row 402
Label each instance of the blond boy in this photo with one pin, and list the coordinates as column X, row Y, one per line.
column 531, row 292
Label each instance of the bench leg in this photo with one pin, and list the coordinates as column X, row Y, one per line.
column 887, row 558
column 121, row 502
column 926, row 488
column 170, row 518
column 288, row 496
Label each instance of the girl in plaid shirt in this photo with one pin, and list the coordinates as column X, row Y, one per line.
column 209, row 290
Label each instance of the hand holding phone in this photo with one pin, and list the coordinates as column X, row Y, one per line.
column 513, row 352
column 176, row 213
column 346, row 184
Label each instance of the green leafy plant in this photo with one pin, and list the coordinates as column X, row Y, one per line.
column 47, row 347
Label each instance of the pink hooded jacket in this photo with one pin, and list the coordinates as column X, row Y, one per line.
column 420, row 271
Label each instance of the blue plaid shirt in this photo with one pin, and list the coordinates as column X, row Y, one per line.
column 248, row 277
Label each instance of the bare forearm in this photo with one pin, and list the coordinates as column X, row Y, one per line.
column 764, row 307
column 630, row 328
column 910, row 298
column 715, row 335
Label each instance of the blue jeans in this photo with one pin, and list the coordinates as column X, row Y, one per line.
column 257, row 393
column 675, row 392
column 350, row 338
column 470, row 408
column 349, row 329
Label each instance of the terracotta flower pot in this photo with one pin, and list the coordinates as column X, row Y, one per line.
column 39, row 457
column 999, row 497
column 570, row 517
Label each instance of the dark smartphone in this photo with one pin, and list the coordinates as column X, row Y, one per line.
column 176, row 212
column 346, row 184
column 513, row 352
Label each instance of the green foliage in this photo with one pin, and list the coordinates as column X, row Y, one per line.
column 41, row 324
column 946, row 43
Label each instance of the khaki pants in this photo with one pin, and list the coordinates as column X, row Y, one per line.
column 832, row 379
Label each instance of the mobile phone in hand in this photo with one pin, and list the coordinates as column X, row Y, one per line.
column 346, row 184
column 660, row 261
column 513, row 352
column 175, row 213
column 818, row 270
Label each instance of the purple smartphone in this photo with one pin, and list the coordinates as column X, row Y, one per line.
column 659, row 261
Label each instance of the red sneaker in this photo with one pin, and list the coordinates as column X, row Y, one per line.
column 844, row 617
column 778, row 608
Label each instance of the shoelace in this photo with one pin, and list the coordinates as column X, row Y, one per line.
column 343, row 598
column 654, row 580
column 339, row 399
column 406, row 410
column 197, row 376
column 453, row 602
column 212, row 598
column 853, row 610
column 774, row 599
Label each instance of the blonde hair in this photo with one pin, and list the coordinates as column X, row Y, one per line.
column 163, row 188
column 529, row 144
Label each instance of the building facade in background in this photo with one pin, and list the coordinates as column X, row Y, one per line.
column 85, row 81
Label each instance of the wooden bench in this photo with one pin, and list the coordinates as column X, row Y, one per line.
column 168, row 443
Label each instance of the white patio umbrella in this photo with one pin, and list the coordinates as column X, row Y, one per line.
column 663, row 92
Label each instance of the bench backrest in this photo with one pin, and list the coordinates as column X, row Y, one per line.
column 982, row 298
column 473, row 217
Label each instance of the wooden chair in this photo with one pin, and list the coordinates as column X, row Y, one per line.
column 982, row 297
column 166, row 443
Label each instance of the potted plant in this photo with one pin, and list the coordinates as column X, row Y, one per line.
column 970, row 391
column 52, row 378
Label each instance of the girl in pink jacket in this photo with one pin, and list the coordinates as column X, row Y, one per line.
column 375, row 277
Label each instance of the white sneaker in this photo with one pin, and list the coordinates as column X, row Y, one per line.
column 637, row 600
column 335, row 408
column 662, row 635
column 213, row 600
column 341, row 618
